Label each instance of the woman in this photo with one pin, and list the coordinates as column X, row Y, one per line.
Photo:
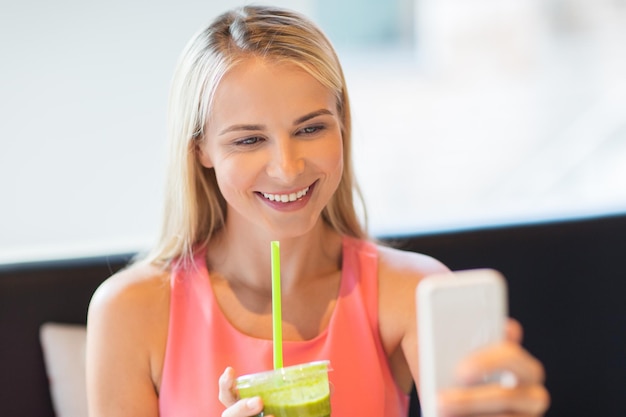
column 260, row 150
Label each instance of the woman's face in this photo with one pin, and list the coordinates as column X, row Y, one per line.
column 274, row 140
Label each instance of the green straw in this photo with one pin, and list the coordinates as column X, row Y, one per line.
column 277, row 321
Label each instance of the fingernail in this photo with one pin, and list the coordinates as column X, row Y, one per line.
column 253, row 403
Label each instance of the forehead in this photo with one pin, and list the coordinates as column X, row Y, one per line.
column 258, row 90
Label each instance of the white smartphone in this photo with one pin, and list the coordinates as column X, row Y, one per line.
column 457, row 313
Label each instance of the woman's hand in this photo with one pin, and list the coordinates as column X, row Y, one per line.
column 236, row 407
column 519, row 391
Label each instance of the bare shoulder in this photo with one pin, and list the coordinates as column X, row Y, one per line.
column 399, row 272
column 140, row 287
column 130, row 312
column 400, row 264
column 126, row 335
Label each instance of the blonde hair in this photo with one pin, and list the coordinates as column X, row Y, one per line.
column 194, row 206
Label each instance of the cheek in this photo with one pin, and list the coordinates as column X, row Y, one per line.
column 235, row 175
column 202, row 153
column 333, row 160
column 228, row 176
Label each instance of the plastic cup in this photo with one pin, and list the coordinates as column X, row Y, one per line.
column 294, row 391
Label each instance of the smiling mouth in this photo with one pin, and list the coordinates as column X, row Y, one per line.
column 286, row 198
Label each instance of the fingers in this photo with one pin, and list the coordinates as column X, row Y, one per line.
column 525, row 400
column 229, row 397
column 227, row 393
column 506, row 357
column 518, row 391
column 513, row 330
column 244, row 408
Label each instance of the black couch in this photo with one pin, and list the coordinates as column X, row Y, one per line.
column 567, row 286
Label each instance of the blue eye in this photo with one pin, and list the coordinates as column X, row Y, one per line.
column 249, row 141
column 311, row 130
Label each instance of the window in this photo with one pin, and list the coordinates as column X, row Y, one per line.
column 466, row 113
column 503, row 111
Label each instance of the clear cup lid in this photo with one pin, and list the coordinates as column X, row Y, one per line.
column 288, row 373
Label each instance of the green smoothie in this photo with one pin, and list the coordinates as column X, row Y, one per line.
column 295, row 391
column 315, row 408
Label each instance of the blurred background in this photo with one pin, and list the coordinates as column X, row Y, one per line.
column 467, row 113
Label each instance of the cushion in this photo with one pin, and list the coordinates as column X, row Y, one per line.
column 64, row 355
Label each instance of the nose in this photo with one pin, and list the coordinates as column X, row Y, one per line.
column 287, row 160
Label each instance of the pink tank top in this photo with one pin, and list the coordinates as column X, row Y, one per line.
column 202, row 343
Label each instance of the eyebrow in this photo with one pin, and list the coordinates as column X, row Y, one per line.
column 312, row 115
column 302, row 119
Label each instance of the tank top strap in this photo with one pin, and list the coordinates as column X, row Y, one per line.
column 361, row 268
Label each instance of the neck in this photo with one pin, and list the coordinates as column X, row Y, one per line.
column 245, row 257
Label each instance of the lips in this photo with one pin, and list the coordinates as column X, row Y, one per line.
column 286, row 198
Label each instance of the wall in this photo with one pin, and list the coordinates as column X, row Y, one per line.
column 83, row 91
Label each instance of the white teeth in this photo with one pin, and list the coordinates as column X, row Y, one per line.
column 286, row 198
